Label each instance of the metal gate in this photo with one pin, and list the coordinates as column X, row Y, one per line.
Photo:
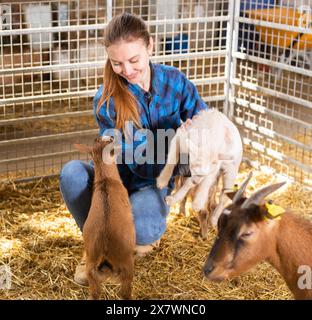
column 52, row 60
column 251, row 59
column 271, row 84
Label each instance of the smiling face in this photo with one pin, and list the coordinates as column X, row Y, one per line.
column 130, row 60
column 243, row 240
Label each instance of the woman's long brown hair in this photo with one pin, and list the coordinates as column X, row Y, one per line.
column 122, row 27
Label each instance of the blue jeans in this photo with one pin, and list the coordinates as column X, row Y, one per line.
column 148, row 206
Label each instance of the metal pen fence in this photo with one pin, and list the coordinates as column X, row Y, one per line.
column 52, row 60
column 271, row 81
column 251, row 59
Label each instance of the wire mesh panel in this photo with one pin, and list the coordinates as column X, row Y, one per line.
column 51, row 63
column 271, row 97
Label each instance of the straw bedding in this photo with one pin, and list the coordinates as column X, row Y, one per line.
column 41, row 244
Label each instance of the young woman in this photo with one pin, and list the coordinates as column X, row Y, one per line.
column 151, row 96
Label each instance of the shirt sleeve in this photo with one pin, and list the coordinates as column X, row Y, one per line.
column 191, row 103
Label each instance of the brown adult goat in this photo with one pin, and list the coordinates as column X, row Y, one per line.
column 249, row 232
column 108, row 233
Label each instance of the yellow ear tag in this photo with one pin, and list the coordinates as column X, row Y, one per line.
column 235, row 187
column 274, row 211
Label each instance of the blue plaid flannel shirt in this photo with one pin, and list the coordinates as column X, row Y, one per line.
column 172, row 98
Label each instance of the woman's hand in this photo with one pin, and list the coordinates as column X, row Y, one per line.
column 187, row 123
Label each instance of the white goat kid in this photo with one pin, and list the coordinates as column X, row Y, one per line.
column 214, row 146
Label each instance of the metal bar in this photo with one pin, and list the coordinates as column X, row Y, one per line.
column 273, row 154
column 42, row 97
column 101, row 26
column 258, row 108
column 49, row 137
column 188, row 20
column 67, row 66
column 23, row 180
column 228, row 59
column 109, row 10
column 214, row 98
column 89, row 112
column 273, row 93
column 38, row 157
column 209, row 80
column 271, row 63
column 273, row 25
column 87, row 93
column 270, row 133
column 99, row 64
column 46, row 117
column 233, row 69
column 81, row 27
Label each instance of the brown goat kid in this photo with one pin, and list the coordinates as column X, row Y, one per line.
column 108, row 233
column 248, row 233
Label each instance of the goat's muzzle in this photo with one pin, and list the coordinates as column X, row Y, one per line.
column 208, row 268
column 212, row 272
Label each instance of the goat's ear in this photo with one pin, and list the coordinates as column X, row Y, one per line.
column 82, row 148
column 271, row 211
column 110, row 153
column 116, row 150
column 231, row 194
column 241, row 191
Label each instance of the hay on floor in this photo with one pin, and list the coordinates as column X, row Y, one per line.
column 42, row 245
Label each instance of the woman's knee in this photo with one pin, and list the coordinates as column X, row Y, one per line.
column 76, row 188
column 76, row 177
column 149, row 212
column 75, row 171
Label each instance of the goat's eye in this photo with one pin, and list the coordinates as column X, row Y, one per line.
column 246, row 234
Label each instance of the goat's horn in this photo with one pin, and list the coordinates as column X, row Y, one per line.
column 259, row 195
column 242, row 189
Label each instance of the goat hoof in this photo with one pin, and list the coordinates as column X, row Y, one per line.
column 204, row 236
column 214, row 221
column 203, row 231
column 196, row 208
column 170, row 200
column 161, row 184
